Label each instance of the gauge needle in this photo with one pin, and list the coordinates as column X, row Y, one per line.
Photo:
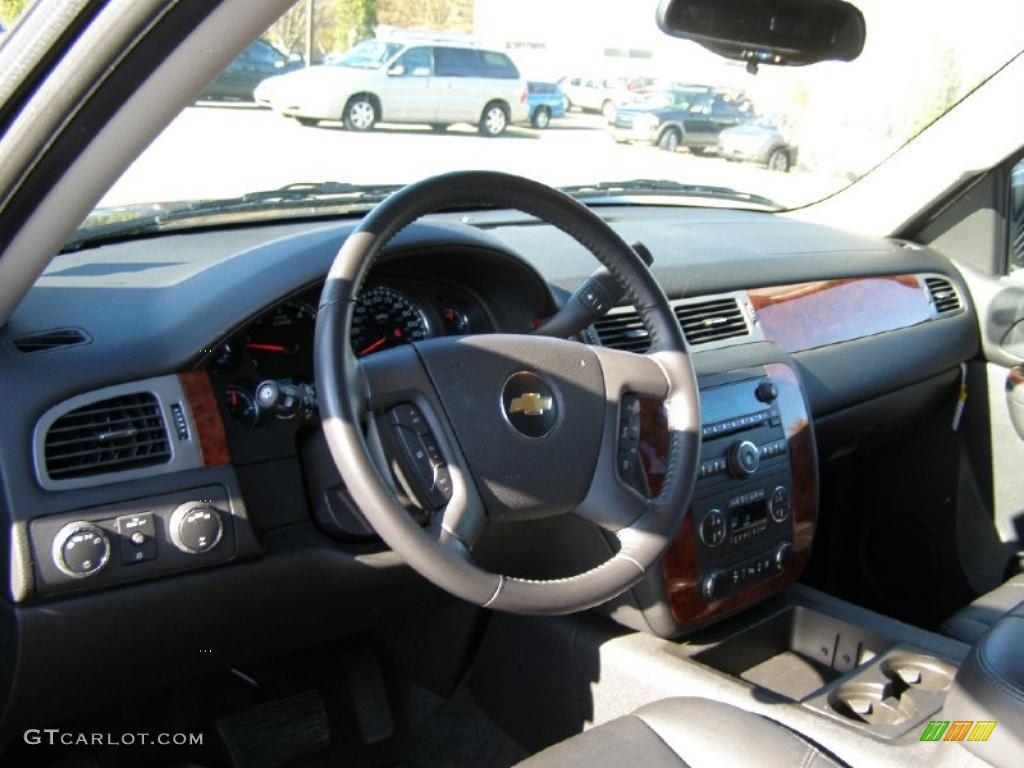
column 267, row 347
column 374, row 346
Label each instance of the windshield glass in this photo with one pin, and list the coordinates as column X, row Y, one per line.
column 369, row 54
column 619, row 101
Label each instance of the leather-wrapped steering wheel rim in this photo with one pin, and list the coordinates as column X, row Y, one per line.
column 587, row 385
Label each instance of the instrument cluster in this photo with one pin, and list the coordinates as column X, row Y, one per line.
column 265, row 370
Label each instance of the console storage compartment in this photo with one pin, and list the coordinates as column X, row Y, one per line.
column 795, row 652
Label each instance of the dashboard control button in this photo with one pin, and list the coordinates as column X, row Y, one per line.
column 138, row 538
column 767, row 391
column 196, row 528
column 783, row 556
column 780, row 503
column 744, row 458
column 712, row 586
column 712, row 528
column 81, row 549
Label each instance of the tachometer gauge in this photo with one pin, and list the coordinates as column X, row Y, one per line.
column 280, row 343
column 385, row 318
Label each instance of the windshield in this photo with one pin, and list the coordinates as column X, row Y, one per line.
column 369, row 54
column 454, row 96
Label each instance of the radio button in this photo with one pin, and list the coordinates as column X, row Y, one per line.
column 712, row 528
column 780, row 504
column 744, row 458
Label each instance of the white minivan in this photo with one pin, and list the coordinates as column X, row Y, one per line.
column 435, row 82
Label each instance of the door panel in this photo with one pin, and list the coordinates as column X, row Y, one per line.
column 410, row 93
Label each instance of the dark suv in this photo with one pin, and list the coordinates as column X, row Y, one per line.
column 257, row 62
column 686, row 115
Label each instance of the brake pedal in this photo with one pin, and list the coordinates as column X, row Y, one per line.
column 274, row 734
column 369, row 695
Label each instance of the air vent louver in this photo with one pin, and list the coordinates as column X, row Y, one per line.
column 943, row 295
column 40, row 342
column 713, row 320
column 702, row 322
column 623, row 330
column 125, row 432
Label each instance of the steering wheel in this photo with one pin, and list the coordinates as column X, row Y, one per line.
column 527, row 425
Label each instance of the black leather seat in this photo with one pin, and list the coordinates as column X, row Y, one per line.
column 970, row 623
column 674, row 733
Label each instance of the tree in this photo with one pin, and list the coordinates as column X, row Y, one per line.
column 356, row 21
column 10, row 10
column 435, row 15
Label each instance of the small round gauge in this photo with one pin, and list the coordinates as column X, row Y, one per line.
column 455, row 321
column 225, row 358
column 242, row 407
column 385, row 318
column 280, row 343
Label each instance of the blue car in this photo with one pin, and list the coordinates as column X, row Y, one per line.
column 546, row 101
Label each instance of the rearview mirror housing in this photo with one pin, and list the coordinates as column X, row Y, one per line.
column 779, row 32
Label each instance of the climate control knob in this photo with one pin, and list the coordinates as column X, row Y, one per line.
column 744, row 458
column 196, row 528
column 81, row 549
column 711, row 586
column 783, row 556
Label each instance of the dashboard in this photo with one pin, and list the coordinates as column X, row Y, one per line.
column 196, row 323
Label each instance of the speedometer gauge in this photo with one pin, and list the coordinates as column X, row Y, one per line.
column 385, row 318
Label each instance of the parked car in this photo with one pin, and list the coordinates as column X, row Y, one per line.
column 258, row 62
column 594, row 94
column 691, row 116
column 764, row 141
column 546, row 101
column 411, row 81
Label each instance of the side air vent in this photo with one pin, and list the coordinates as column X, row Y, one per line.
column 703, row 322
column 123, row 432
column 943, row 295
column 61, row 337
column 714, row 320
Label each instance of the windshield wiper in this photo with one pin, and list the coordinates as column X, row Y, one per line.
column 637, row 187
column 127, row 221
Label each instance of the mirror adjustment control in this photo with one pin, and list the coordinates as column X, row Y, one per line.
column 196, row 527
column 81, row 549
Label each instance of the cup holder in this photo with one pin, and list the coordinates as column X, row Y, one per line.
column 872, row 703
column 915, row 671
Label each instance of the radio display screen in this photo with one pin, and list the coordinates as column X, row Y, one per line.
column 748, row 516
column 729, row 401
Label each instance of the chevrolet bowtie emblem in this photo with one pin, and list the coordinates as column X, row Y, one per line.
column 530, row 404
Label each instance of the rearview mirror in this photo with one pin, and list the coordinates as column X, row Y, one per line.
column 781, row 32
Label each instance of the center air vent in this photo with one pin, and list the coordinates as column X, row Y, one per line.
column 943, row 295
column 123, row 432
column 40, row 342
column 714, row 320
column 702, row 321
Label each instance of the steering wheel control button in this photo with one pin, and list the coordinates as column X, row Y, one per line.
column 529, row 405
column 780, row 503
column 744, row 458
column 713, row 528
column 81, row 549
column 138, row 538
column 196, row 528
column 421, row 459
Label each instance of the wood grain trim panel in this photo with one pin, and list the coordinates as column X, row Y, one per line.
column 809, row 315
column 213, row 442
column 681, row 571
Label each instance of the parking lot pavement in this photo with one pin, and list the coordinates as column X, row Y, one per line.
column 221, row 150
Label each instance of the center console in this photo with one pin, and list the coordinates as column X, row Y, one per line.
column 751, row 523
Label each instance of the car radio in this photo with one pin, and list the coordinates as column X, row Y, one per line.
column 743, row 498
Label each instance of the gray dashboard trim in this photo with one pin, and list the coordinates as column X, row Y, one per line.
column 185, row 454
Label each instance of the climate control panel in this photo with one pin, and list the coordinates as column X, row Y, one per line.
column 127, row 541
